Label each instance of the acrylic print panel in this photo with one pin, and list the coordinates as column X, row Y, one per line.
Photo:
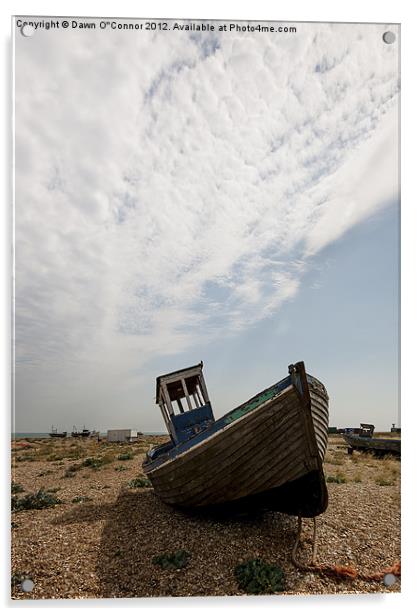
column 224, row 192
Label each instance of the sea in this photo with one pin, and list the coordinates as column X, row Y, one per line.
column 18, row 435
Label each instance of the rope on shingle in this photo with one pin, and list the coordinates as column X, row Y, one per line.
column 337, row 571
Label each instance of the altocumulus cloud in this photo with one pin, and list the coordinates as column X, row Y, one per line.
column 172, row 189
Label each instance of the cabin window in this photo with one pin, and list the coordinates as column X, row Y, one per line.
column 186, row 394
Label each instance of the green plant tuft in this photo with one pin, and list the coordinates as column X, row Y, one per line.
column 126, row 456
column 16, row 488
column 54, row 457
column 97, row 462
column 384, row 481
column 338, row 478
column 26, row 458
column 255, row 577
column 175, row 560
column 40, row 500
column 139, row 482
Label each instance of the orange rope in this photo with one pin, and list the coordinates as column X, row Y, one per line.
column 338, row 571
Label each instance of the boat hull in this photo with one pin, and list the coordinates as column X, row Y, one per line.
column 377, row 446
column 269, row 457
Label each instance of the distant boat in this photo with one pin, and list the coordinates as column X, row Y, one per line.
column 267, row 452
column 374, row 445
column 364, row 430
column 55, row 434
column 83, row 433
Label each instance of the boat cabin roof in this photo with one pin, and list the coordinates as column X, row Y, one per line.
column 173, row 381
column 366, row 429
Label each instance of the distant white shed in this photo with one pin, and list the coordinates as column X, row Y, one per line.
column 122, row 436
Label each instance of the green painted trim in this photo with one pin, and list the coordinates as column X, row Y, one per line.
column 250, row 406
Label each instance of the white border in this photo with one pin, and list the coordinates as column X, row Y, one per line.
column 304, row 10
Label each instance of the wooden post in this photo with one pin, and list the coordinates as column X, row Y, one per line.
column 189, row 404
column 167, row 399
column 203, row 388
column 165, row 415
column 199, row 397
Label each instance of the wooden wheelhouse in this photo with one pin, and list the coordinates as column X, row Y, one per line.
column 184, row 402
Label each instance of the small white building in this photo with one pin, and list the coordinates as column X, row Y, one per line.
column 122, row 436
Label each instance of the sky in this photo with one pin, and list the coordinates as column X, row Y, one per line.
column 226, row 197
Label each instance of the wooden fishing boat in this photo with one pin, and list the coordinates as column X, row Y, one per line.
column 84, row 433
column 55, row 434
column 374, row 445
column 266, row 453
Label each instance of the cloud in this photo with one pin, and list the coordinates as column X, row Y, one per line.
column 171, row 190
column 367, row 180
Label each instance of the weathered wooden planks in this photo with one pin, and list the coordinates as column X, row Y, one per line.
column 379, row 446
column 277, row 443
column 253, row 461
